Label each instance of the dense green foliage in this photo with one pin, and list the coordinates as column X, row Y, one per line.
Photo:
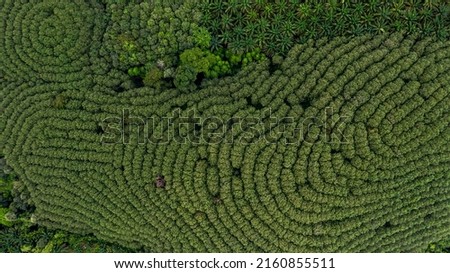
column 149, row 35
column 144, row 42
column 358, row 160
column 385, row 189
column 49, row 41
column 26, row 237
column 275, row 26
column 20, row 233
column 439, row 247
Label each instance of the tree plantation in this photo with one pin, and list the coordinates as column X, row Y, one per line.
column 335, row 144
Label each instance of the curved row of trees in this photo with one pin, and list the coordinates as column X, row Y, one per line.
column 50, row 41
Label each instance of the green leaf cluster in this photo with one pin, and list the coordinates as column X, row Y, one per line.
column 276, row 26
column 151, row 35
column 200, row 60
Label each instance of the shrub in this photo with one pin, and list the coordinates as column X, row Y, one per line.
column 153, row 77
column 185, row 77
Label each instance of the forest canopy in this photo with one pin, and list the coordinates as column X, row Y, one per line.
column 343, row 142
